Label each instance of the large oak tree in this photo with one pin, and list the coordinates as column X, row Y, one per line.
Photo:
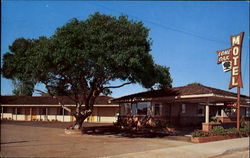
column 82, row 58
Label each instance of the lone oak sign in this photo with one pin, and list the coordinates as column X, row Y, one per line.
column 231, row 61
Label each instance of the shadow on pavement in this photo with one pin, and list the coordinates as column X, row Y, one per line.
column 112, row 130
column 24, row 141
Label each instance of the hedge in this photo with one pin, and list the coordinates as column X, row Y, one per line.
column 220, row 131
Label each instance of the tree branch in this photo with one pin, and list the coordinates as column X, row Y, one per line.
column 64, row 107
column 42, row 92
column 118, row 86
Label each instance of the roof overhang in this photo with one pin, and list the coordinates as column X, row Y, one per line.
column 210, row 98
column 55, row 105
column 197, row 98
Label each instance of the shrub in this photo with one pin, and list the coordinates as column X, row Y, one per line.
column 218, row 131
column 161, row 124
column 200, row 133
column 232, row 131
column 244, row 131
column 244, row 123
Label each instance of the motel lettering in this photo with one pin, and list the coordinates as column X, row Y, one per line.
column 236, row 43
column 231, row 61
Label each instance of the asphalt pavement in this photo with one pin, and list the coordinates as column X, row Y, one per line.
column 200, row 150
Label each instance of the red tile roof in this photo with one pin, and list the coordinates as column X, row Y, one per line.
column 190, row 89
column 46, row 100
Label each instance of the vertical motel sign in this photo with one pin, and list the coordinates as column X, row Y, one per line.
column 231, row 61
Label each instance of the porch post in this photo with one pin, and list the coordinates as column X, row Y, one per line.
column 40, row 113
column 30, row 113
column 63, row 114
column 46, row 114
column 16, row 113
column 97, row 114
column 207, row 113
column 56, row 113
column 222, row 113
column 2, row 112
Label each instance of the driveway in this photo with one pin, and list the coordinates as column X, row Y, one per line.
column 31, row 140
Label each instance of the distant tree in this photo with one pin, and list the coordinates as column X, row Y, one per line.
column 194, row 83
column 22, row 88
column 82, row 58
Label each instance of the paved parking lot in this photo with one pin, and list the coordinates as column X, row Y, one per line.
column 26, row 140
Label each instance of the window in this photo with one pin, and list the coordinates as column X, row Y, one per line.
column 134, row 109
column 247, row 112
column 183, row 108
column 121, row 108
column 60, row 111
column 142, row 108
column 19, row 110
column 200, row 110
column 127, row 108
column 4, row 109
column 157, row 110
column 218, row 113
column 42, row 111
column 66, row 112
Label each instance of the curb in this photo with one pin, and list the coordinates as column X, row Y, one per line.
column 230, row 151
column 236, row 149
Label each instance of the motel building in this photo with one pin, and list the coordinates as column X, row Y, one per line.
column 191, row 105
column 46, row 108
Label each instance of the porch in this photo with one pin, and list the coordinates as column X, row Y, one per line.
column 193, row 105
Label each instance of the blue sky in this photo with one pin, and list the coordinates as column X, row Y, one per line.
column 185, row 35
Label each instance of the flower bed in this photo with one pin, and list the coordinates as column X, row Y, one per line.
column 211, row 138
column 218, row 133
column 145, row 125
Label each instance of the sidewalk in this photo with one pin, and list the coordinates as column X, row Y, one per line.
column 202, row 150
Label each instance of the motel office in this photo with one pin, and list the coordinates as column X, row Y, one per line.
column 189, row 105
column 46, row 108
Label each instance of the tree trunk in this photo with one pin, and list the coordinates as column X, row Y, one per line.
column 80, row 117
column 82, row 113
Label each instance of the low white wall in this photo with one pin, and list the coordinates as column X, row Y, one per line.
column 42, row 117
column 19, row 117
column 106, row 119
column 102, row 119
column 59, row 118
column 7, row 115
column 51, row 117
column 65, row 118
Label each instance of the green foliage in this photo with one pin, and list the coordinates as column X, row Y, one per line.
column 161, row 123
column 194, row 83
column 200, row 133
column 232, row 131
column 141, row 123
column 218, row 131
column 25, row 88
column 245, row 131
column 244, row 123
column 82, row 57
